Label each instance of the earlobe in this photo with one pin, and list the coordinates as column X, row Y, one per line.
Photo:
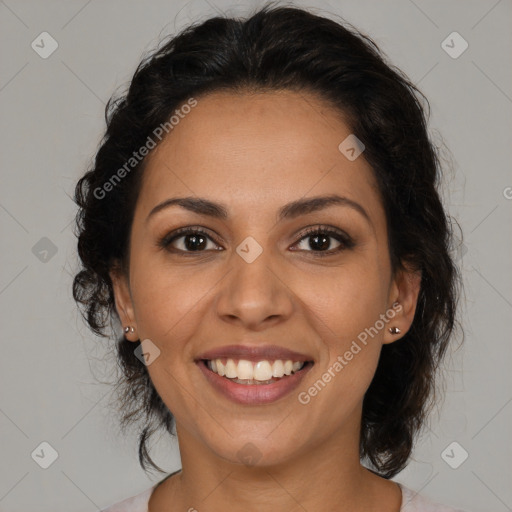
column 404, row 296
column 123, row 302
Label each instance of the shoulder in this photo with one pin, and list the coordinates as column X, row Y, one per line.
column 137, row 503
column 414, row 502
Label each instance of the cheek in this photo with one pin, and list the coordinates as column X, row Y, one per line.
column 346, row 301
column 347, row 310
column 167, row 305
column 166, row 300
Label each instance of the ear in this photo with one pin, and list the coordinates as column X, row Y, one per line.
column 405, row 289
column 123, row 300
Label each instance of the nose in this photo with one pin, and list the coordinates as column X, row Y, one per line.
column 254, row 295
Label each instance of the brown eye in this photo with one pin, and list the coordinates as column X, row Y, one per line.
column 320, row 241
column 187, row 240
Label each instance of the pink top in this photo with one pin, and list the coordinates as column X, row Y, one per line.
column 411, row 502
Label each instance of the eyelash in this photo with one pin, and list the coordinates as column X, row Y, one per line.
column 345, row 240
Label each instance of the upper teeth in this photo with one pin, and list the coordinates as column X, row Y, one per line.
column 261, row 370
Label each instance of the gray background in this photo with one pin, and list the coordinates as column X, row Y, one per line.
column 52, row 120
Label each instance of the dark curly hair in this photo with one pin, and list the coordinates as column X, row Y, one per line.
column 285, row 48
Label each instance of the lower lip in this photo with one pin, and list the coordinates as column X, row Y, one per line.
column 254, row 394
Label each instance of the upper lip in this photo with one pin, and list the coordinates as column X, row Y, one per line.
column 254, row 353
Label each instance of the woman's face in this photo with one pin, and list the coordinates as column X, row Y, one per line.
column 258, row 279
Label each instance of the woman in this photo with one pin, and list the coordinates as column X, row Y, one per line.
column 263, row 220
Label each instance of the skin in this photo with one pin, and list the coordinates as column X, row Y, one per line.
column 254, row 153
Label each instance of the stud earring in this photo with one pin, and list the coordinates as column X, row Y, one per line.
column 128, row 329
column 394, row 330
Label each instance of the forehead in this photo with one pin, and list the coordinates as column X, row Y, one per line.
column 256, row 151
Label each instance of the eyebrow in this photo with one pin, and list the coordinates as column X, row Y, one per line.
column 203, row 206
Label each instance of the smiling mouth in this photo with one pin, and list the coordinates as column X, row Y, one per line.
column 249, row 373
